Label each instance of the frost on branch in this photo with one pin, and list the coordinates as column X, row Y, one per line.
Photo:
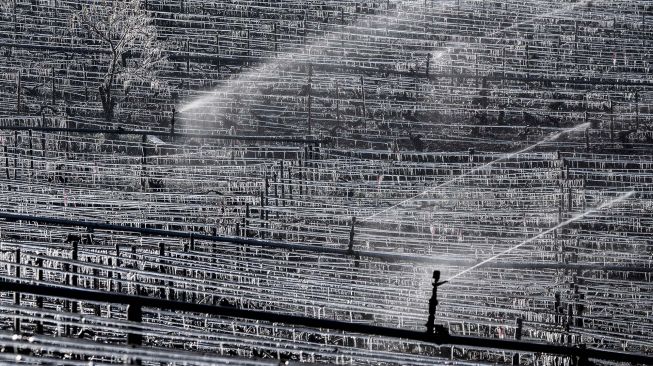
column 125, row 31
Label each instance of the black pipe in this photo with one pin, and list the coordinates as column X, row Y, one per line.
column 120, row 131
column 437, row 338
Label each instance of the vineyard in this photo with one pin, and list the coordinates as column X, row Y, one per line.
column 382, row 182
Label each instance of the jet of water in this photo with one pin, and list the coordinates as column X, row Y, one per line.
column 301, row 55
column 272, row 66
column 562, row 224
column 482, row 167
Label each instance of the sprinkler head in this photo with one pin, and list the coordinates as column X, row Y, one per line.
column 436, row 276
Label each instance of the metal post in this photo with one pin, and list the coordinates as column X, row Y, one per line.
column 73, row 282
column 133, row 256
column 363, row 97
column 556, row 308
column 162, row 253
column 283, row 187
column 144, row 163
column 503, row 63
column 586, row 133
column 74, row 257
column 433, row 304
column 611, row 121
column 636, row 110
column 172, row 121
column 337, row 104
column 518, row 333
column 290, row 181
column 15, row 154
column 249, row 49
column 39, row 299
column 53, row 88
column 17, row 294
column 527, row 61
column 570, row 321
column 187, row 56
column 31, row 151
column 192, row 242
column 580, row 309
column 305, row 27
column 18, row 86
column 118, row 282
column 351, row 243
column 308, row 100
column 134, row 314
column 569, row 195
column 576, row 44
column 217, row 52
column 86, row 84
column 351, row 235
column 6, row 161
column 276, row 36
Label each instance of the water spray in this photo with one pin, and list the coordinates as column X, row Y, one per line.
column 560, row 225
column 480, row 168
column 270, row 68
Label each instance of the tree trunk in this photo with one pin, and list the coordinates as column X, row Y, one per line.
column 107, row 102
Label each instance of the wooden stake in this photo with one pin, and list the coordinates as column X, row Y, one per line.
column 18, row 87
column 54, row 91
column 308, row 99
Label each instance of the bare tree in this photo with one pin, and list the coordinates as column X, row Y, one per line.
column 125, row 29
